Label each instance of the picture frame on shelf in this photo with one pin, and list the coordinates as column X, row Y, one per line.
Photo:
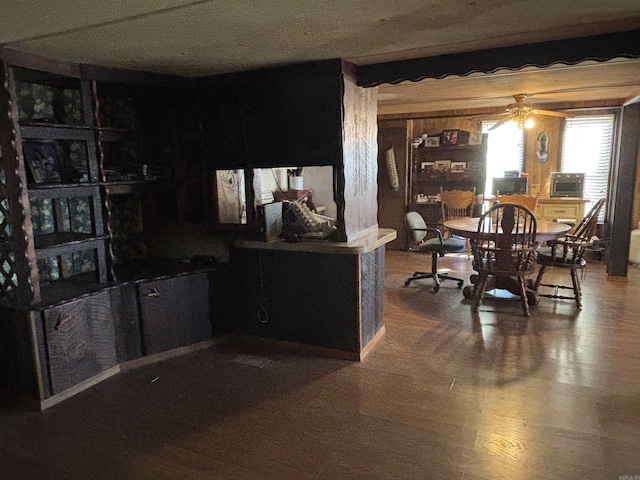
column 475, row 138
column 426, row 166
column 42, row 159
column 442, row 165
column 473, row 167
column 458, row 166
column 450, row 137
column 432, row 142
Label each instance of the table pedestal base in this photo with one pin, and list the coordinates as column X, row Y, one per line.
column 509, row 284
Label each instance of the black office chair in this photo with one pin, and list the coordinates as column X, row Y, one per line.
column 416, row 232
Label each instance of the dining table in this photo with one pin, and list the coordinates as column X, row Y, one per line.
column 467, row 227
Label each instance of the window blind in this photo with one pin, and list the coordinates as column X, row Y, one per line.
column 505, row 150
column 586, row 148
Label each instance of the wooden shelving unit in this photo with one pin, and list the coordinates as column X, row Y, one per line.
column 112, row 150
column 425, row 183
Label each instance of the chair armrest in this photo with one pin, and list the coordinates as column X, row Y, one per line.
column 430, row 229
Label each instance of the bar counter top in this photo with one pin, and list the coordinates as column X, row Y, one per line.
column 368, row 242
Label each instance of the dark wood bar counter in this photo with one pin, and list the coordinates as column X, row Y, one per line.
column 321, row 294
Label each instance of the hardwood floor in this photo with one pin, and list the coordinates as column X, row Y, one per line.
column 445, row 395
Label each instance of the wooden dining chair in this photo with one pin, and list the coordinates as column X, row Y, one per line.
column 504, row 246
column 457, row 204
column 528, row 201
column 568, row 252
column 437, row 246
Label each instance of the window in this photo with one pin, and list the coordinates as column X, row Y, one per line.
column 505, row 150
column 586, row 148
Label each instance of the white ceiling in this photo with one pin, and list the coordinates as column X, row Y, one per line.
column 204, row 37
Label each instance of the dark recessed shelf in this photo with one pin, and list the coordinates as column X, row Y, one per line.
column 71, row 288
column 53, row 131
column 54, row 244
column 63, row 190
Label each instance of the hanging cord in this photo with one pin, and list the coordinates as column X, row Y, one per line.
column 263, row 315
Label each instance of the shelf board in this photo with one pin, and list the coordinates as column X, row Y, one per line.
column 109, row 134
column 71, row 288
column 53, row 244
column 48, row 131
column 61, row 190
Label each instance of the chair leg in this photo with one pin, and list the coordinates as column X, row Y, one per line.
column 523, row 296
column 577, row 290
column 481, row 285
column 536, row 285
column 434, row 271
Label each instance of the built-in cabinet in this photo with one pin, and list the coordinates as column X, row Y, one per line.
column 90, row 159
column 50, row 352
column 130, row 175
column 174, row 312
column 77, row 339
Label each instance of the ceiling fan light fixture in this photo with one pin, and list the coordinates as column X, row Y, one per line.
column 529, row 123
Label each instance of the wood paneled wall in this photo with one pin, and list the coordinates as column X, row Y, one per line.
column 538, row 172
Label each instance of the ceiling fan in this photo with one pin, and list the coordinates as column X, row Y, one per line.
column 521, row 112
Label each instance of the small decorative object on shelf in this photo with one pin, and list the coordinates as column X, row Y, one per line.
column 426, row 165
column 458, row 166
column 475, row 138
column 42, row 160
column 450, row 137
column 455, row 137
column 442, row 165
column 473, row 166
column 432, row 142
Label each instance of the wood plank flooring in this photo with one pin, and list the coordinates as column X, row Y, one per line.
column 446, row 394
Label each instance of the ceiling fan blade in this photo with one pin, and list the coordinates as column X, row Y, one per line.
column 551, row 113
column 504, row 120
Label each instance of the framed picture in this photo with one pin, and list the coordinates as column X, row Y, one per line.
column 473, row 166
column 42, row 159
column 450, row 137
column 426, row 166
column 442, row 165
column 475, row 138
column 432, row 142
column 458, row 166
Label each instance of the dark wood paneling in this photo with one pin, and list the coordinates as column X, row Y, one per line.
column 79, row 339
column 288, row 116
column 126, row 324
column 174, row 312
column 296, row 296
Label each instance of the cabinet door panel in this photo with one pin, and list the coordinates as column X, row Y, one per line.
column 175, row 312
column 79, row 339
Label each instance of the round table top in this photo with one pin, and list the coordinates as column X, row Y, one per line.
column 468, row 227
